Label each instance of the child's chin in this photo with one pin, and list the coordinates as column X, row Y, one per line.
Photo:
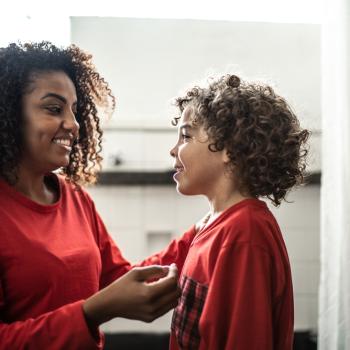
column 185, row 191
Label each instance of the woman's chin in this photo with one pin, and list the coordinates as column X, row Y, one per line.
column 57, row 165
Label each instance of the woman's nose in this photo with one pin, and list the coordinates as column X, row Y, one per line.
column 70, row 123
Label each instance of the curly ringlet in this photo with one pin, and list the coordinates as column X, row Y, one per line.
column 19, row 64
column 265, row 143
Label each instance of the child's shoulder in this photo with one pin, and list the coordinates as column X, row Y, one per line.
column 248, row 212
column 251, row 222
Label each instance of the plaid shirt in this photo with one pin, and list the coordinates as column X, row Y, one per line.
column 188, row 312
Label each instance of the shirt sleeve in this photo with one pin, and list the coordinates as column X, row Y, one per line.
column 175, row 252
column 114, row 265
column 63, row 328
column 237, row 313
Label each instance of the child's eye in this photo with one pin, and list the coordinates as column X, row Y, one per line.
column 185, row 137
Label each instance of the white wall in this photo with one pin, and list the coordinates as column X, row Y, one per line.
column 148, row 61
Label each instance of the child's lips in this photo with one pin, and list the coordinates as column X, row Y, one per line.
column 178, row 170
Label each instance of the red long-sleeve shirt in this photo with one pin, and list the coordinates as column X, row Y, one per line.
column 236, row 285
column 53, row 257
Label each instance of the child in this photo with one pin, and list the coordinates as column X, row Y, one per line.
column 237, row 142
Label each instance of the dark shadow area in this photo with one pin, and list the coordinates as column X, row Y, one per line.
column 160, row 341
column 305, row 341
column 137, row 341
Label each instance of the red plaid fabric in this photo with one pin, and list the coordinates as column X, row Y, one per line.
column 188, row 312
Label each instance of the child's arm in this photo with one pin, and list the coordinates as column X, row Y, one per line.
column 238, row 309
column 114, row 265
column 175, row 252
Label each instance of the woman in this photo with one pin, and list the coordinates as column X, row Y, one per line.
column 61, row 275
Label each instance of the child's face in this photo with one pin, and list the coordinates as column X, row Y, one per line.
column 198, row 170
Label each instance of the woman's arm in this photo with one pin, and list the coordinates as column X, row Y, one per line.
column 75, row 326
column 133, row 296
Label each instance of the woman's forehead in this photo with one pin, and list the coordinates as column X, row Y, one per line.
column 41, row 82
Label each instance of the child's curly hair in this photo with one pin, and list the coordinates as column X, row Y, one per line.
column 18, row 64
column 260, row 132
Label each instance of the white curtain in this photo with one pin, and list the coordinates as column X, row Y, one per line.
column 334, row 297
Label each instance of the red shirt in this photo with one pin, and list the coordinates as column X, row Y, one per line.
column 52, row 257
column 236, row 285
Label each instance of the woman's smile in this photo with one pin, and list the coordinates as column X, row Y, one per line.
column 65, row 143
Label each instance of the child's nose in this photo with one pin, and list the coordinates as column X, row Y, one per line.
column 173, row 151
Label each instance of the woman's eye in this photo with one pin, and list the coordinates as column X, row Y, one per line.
column 54, row 109
column 185, row 137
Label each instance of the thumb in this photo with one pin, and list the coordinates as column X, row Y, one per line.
column 173, row 271
column 153, row 272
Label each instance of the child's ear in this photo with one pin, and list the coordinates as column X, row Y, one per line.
column 225, row 158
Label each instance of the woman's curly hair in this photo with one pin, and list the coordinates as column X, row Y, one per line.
column 260, row 132
column 18, row 65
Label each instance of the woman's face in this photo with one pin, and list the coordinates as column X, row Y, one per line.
column 50, row 128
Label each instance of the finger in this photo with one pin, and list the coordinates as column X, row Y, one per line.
column 163, row 311
column 151, row 272
column 173, row 271
column 163, row 286
column 167, row 299
column 165, row 308
column 162, row 307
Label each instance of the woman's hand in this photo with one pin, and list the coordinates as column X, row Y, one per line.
column 133, row 296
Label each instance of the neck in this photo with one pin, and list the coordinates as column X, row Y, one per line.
column 221, row 202
column 217, row 205
column 33, row 186
column 225, row 195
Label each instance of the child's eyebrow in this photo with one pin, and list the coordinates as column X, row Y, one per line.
column 186, row 126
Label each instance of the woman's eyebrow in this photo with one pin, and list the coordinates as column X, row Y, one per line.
column 59, row 97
